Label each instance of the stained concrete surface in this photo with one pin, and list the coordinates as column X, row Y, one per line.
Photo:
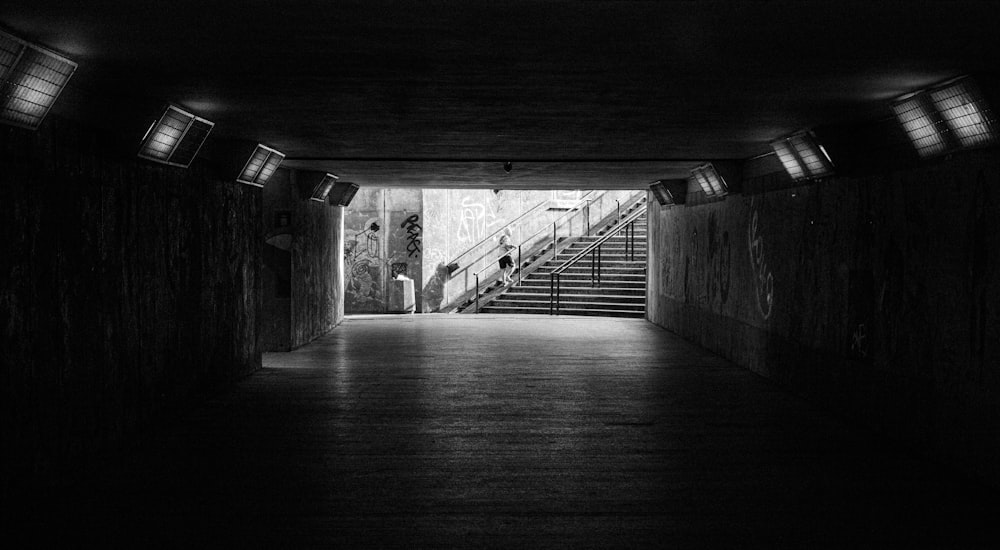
column 510, row 432
column 126, row 289
column 875, row 295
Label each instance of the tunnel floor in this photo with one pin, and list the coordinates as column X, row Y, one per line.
column 514, row 432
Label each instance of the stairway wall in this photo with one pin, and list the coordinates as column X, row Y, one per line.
column 457, row 219
column 126, row 289
column 876, row 296
column 384, row 238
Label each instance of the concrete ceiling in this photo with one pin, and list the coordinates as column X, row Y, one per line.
column 431, row 93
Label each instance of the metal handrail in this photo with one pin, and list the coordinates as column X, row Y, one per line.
column 573, row 210
column 555, row 276
column 604, row 238
column 531, row 210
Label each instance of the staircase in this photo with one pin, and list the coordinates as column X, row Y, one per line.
column 622, row 292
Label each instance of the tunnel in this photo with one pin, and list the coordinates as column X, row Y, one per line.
column 254, row 293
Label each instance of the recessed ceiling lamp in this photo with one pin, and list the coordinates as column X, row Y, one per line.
column 31, row 78
column 662, row 194
column 262, row 164
column 343, row 192
column 175, row 138
column 949, row 116
column 322, row 188
column 802, row 156
column 710, row 181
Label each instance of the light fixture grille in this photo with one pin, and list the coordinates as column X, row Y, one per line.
column 711, row 183
column 802, row 156
column 31, row 80
column 191, row 143
column 262, row 164
column 788, row 159
column 964, row 111
column 10, row 49
column 163, row 138
column 175, row 138
column 273, row 161
column 662, row 194
column 813, row 158
column 706, row 187
column 920, row 125
column 323, row 189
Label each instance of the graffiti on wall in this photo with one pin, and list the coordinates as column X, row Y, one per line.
column 476, row 221
column 763, row 279
column 859, row 341
column 363, row 266
column 719, row 257
column 413, row 230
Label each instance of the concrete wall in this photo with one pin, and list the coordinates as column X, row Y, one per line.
column 302, row 266
column 317, row 269
column 877, row 296
column 457, row 219
column 276, row 266
column 384, row 237
column 125, row 288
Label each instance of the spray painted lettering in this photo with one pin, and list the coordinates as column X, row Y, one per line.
column 719, row 254
column 475, row 220
column 363, row 262
column 412, row 234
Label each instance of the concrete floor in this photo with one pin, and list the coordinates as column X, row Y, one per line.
column 512, row 432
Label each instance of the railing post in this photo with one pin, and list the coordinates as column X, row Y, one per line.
column 553, row 240
column 588, row 217
column 558, row 292
column 600, row 263
column 619, row 207
column 552, row 292
column 632, row 233
column 593, row 267
column 627, row 227
column 519, row 265
column 477, row 293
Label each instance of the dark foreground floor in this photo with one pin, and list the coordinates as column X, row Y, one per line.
column 513, row 432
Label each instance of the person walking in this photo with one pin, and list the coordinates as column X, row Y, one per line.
column 506, row 263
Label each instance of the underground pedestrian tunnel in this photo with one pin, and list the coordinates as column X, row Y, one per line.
column 208, row 211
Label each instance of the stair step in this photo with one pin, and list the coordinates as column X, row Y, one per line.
column 564, row 304
column 565, row 298
column 617, row 283
column 638, row 260
column 565, row 277
column 619, row 290
column 616, row 267
column 566, row 311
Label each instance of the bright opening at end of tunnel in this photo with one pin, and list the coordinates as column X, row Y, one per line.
column 467, row 251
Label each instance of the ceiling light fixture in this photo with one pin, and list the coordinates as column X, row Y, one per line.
column 343, row 192
column 262, row 164
column 175, row 138
column 802, row 156
column 710, row 181
column 31, row 79
column 661, row 193
column 508, row 166
column 322, row 189
column 946, row 117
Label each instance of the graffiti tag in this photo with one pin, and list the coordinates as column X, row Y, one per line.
column 763, row 279
column 412, row 234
